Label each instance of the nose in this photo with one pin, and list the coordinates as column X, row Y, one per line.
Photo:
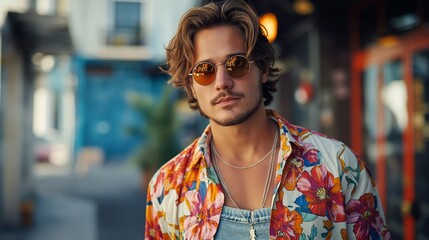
column 222, row 79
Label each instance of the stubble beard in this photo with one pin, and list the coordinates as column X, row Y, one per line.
column 240, row 118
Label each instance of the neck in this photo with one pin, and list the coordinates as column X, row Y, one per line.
column 243, row 143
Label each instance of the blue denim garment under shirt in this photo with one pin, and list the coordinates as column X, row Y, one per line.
column 233, row 226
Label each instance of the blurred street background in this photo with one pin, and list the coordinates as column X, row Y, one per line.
column 107, row 203
column 86, row 114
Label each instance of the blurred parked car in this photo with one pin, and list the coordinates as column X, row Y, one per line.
column 50, row 152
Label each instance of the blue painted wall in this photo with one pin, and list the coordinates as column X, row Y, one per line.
column 102, row 110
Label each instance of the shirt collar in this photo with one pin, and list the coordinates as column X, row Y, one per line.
column 293, row 134
column 289, row 134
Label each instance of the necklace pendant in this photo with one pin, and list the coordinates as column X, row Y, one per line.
column 252, row 233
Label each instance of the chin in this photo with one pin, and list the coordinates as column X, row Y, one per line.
column 232, row 121
column 232, row 118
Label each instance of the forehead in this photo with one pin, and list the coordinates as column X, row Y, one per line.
column 217, row 43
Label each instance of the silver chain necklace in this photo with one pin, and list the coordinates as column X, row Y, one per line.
column 252, row 231
column 245, row 167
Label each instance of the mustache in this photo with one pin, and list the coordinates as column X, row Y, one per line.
column 227, row 93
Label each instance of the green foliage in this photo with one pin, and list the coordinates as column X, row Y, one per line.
column 159, row 129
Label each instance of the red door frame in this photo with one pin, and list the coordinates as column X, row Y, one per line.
column 404, row 49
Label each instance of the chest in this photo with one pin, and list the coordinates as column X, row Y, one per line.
column 248, row 189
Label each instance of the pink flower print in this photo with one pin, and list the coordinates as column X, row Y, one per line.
column 367, row 220
column 204, row 218
column 323, row 193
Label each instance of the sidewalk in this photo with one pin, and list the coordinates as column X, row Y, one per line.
column 64, row 218
column 106, row 204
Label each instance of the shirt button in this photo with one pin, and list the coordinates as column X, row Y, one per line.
column 280, row 234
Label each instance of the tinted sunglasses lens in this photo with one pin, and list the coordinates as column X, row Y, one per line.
column 237, row 66
column 204, row 73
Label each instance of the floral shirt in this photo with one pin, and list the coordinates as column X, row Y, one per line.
column 322, row 191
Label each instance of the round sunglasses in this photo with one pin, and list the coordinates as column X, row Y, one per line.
column 237, row 66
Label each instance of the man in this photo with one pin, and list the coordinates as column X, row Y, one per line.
column 251, row 174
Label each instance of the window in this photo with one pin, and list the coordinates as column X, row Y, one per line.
column 126, row 23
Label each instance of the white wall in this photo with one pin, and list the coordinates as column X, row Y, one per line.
column 163, row 23
column 11, row 5
column 89, row 21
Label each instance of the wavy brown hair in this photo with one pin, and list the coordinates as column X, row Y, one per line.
column 181, row 50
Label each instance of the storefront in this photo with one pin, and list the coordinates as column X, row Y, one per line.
column 390, row 126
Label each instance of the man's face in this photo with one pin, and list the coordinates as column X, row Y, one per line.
column 226, row 101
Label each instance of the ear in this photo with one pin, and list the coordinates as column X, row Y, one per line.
column 264, row 76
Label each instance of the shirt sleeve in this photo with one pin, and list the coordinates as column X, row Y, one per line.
column 364, row 211
column 155, row 215
column 151, row 219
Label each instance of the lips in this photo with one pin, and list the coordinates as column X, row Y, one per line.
column 226, row 99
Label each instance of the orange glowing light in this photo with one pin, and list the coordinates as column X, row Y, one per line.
column 269, row 21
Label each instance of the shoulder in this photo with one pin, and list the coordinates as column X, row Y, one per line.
column 182, row 159
column 332, row 153
column 328, row 145
column 171, row 174
column 320, row 147
column 307, row 138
